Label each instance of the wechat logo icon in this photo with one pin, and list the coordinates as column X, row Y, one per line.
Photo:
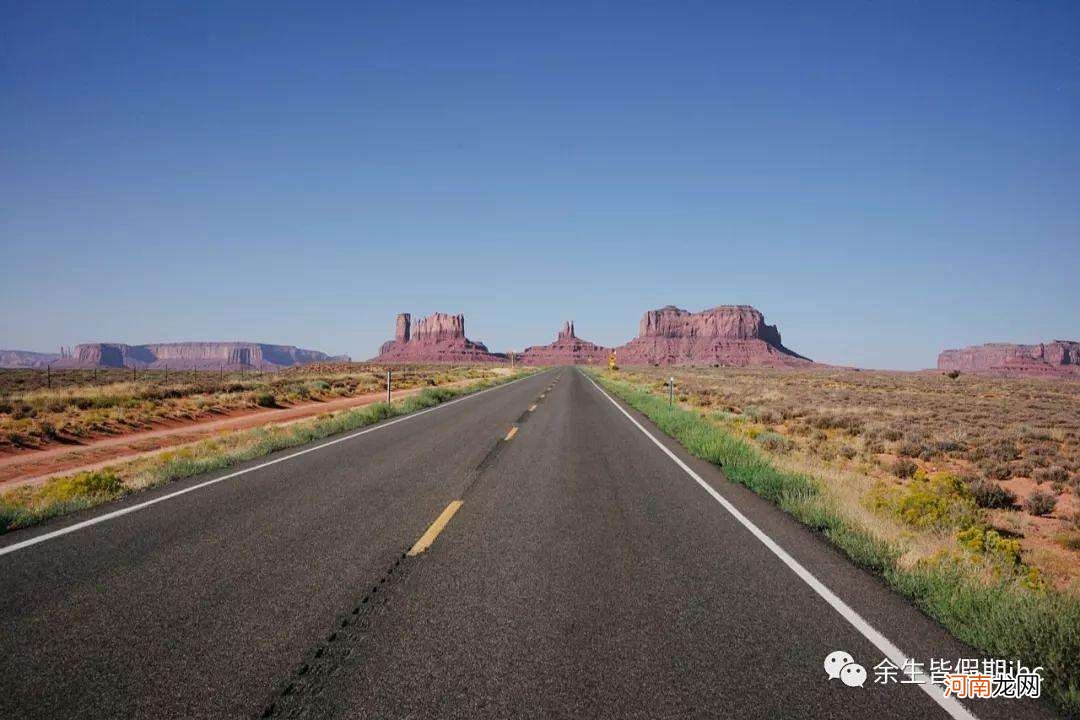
column 840, row 664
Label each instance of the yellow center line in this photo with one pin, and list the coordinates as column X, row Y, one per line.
column 510, row 435
column 532, row 407
column 436, row 527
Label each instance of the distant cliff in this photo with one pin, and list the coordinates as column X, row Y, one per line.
column 26, row 359
column 1059, row 358
column 198, row 355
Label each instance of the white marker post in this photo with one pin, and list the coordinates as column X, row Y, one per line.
column 671, row 391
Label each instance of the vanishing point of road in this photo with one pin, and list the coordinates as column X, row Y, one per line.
column 536, row 550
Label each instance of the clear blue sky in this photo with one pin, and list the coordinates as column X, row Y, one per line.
column 881, row 179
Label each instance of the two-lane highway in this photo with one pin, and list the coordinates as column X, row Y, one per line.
column 526, row 552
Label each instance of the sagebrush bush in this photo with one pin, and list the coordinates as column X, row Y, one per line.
column 1040, row 503
column 774, row 442
column 904, row 468
column 988, row 494
column 1054, row 474
column 999, row 472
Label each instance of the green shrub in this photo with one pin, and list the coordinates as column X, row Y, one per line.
column 86, row 485
column 940, row 500
column 983, row 540
column 266, row 400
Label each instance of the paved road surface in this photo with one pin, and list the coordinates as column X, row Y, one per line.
column 585, row 574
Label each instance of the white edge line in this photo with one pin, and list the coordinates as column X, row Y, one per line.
column 14, row 547
column 882, row 643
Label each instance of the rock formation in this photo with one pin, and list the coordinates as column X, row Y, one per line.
column 568, row 349
column 197, row 355
column 26, row 359
column 1059, row 358
column 725, row 335
column 436, row 338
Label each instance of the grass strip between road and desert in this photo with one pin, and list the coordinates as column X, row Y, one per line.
column 27, row 506
column 999, row 615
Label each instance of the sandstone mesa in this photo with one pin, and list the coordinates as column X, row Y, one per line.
column 733, row 335
column 193, row 355
column 1058, row 358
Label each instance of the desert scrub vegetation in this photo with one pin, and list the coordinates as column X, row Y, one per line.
column 870, row 433
column 30, row 504
column 85, row 403
column 928, row 536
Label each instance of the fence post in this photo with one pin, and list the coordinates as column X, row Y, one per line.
column 48, row 375
column 166, row 373
column 671, row 391
column 387, row 386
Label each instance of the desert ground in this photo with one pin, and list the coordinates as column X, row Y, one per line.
column 39, row 410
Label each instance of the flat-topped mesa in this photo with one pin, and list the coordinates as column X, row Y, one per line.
column 733, row 335
column 568, row 349
column 1058, row 358
column 27, row 358
column 440, row 337
column 194, row 355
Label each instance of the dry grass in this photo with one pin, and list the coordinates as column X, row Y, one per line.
column 877, row 439
column 83, row 404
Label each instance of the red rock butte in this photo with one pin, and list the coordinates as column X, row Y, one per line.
column 436, row 338
column 1059, row 358
column 732, row 335
column 568, row 349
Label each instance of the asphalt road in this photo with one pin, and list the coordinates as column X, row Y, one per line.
column 585, row 573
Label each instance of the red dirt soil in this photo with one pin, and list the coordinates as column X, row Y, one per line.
column 32, row 466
